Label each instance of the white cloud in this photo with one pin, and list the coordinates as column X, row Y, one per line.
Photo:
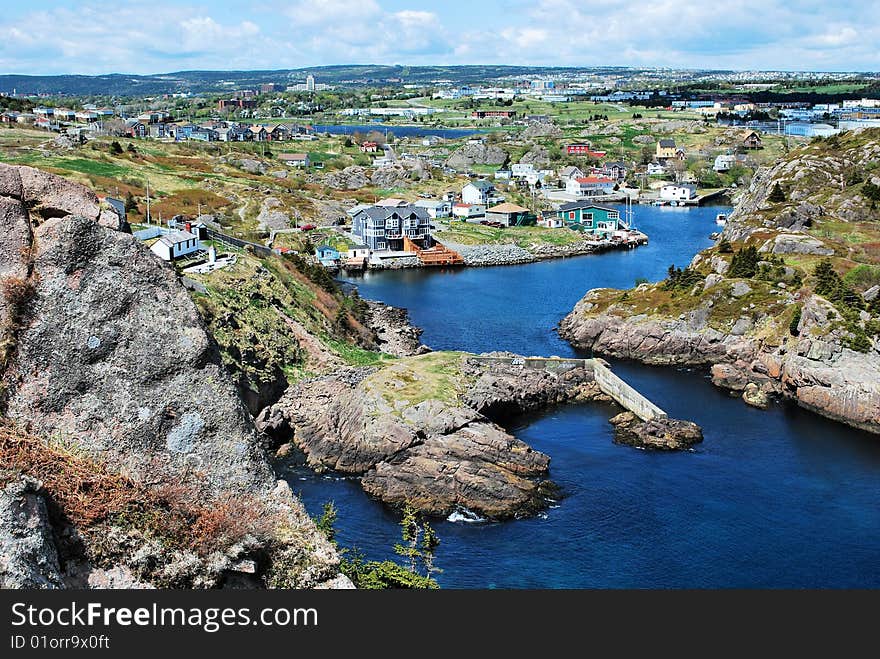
column 798, row 34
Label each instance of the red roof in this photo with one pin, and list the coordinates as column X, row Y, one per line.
column 595, row 179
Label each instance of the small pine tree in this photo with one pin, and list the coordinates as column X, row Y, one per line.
column 777, row 195
column 724, row 247
column 744, row 263
column 795, row 321
column 130, row 204
column 115, row 148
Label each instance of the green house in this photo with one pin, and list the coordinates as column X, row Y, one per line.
column 590, row 218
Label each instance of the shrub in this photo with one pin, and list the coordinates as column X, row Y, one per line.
column 744, row 263
column 777, row 195
column 795, row 321
column 724, row 247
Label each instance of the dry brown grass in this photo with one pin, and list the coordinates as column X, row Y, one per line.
column 88, row 494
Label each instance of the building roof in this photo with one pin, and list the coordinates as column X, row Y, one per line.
column 482, row 185
column 667, row 144
column 583, row 205
column 176, row 237
column 594, row 179
column 293, row 156
column 384, row 212
column 689, row 186
column 392, row 202
column 507, row 208
column 430, row 203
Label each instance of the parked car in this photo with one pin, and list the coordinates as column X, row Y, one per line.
column 308, row 227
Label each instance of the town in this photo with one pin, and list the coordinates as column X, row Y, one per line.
column 391, row 174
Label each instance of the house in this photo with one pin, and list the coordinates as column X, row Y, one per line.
column 294, row 159
column 259, row 133
column 499, row 114
column 358, row 252
column 551, row 222
column 468, row 211
column 589, row 186
column 204, row 134
column 724, row 163
column 665, row 149
column 175, row 244
column 158, row 131
column 369, row 147
column 503, row 175
column 656, row 169
column 572, row 171
column 387, row 224
column 590, row 218
column 477, row 192
column 583, row 149
column 435, row 208
column 276, row 132
column 508, row 214
column 678, row 192
column 615, row 170
column 751, row 140
column 522, row 169
column 327, row 256
column 136, row 129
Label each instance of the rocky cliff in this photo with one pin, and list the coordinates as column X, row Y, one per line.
column 784, row 303
column 105, row 354
column 424, row 430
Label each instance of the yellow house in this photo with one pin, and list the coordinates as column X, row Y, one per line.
column 665, row 149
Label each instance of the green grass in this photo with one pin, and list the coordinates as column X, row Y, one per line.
column 413, row 380
column 465, row 233
column 355, row 356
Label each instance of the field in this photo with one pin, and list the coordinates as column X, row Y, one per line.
column 465, row 233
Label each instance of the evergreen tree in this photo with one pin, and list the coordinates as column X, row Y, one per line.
column 744, row 263
column 777, row 195
column 115, row 148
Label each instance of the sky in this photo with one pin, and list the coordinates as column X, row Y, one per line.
column 88, row 37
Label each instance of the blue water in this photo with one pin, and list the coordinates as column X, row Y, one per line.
column 399, row 131
column 775, row 498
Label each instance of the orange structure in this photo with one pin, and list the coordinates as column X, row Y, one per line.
column 437, row 255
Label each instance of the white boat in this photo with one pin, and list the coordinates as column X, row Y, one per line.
column 721, row 219
column 673, row 203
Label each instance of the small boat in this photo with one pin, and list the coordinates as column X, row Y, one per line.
column 658, row 203
column 673, row 203
column 721, row 219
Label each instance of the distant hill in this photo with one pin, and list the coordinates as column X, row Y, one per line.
column 119, row 84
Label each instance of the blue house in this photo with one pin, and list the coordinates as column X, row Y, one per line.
column 327, row 256
column 590, row 218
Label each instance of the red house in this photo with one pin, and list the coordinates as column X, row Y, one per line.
column 583, row 149
column 502, row 114
column 369, row 147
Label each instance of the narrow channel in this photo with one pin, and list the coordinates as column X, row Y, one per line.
column 777, row 498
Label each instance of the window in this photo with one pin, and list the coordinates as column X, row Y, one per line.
column 588, row 217
column 571, row 215
column 613, row 215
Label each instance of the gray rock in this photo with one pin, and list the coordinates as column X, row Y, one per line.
column 712, row 280
column 742, row 326
column 871, row 294
column 657, row 434
column 28, row 555
column 792, row 243
column 476, row 154
column 740, row 289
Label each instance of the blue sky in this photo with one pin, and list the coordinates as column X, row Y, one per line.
column 89, row 37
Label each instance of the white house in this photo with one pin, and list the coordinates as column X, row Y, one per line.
column 358, row 252
column 467, row 211
column 175, row 244
column 678, row 192
column 571, row 171
column 522, row 169
column 551, row 222
column 435, row 208
column 724, row 162
column 503, row 174
column 477, row 192
column 656, row 169
column 294, row 159
column 589, row 186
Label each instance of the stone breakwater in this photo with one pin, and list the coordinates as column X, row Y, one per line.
column 489, row 255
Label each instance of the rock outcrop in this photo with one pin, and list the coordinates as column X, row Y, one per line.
column 28, row 555
column 394, row 333
column 114, row 360
column 477, row 154
column 769, row 334
column 656, row 434
column 424, row 430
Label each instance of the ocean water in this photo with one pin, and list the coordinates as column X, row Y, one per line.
column 778, row 498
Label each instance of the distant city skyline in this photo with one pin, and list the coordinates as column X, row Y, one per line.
column 89, row 38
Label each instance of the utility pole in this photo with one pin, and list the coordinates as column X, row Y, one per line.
column 148, row 201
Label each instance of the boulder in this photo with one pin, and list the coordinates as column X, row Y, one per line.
column 656, row 434
column 350, row 178
column 795, row 243
column 28, row 555
column 476, row 154
column 740, row 289
column 755, row 396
